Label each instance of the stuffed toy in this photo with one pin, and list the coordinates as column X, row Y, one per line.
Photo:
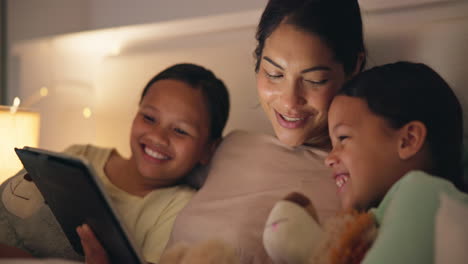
column 294, row 235
column 26, row 221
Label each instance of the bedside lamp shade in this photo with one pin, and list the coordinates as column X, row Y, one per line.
column 17, row 129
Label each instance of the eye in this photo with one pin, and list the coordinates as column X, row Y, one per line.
column 148, row 119
column 342, row 138
column 321, row 82
column 273, row 76
column 181, row 132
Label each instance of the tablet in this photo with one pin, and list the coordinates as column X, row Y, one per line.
column 75, row 196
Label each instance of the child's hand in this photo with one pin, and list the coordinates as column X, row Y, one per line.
column 94, row 252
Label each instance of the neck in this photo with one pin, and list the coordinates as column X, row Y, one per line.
column 123, row 173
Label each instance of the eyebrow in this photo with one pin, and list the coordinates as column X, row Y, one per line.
column 272, row 62
column 150, row 107
column 338, row 126
column 181, row 121
column 315, row 68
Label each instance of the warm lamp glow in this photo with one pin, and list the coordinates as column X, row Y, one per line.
column 43, row 91
column 87, row 112
column 16, row 130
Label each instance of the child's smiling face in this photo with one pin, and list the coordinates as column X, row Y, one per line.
column 170, row 132
column 365, row 158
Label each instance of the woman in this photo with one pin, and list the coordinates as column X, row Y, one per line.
column 306, row 50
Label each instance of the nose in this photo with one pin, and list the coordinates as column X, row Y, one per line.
column 331, row 160
column 159, row 135
column 292, row 96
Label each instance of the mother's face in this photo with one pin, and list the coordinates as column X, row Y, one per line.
column 296, row 81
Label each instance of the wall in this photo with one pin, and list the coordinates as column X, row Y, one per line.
column 433, row 34
column 113, row 13
column 34, row 19
column 106, row 69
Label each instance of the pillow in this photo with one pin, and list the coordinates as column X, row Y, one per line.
column 450, row 230
column 248, row 174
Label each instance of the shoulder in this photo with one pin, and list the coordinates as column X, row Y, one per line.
column 96, row 156
column 414, row 189
column 420, row 184
column 168, row 202
column 182, row 192
column 414, row 178
column 174, row 195
column 410, row 215
column 87, row 150
column 421, row 192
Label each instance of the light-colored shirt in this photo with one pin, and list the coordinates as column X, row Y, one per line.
column 148, row 219
column 248, row 174
column 422, row 219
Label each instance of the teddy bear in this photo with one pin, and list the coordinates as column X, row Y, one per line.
column 294, row 235
column 26, row 221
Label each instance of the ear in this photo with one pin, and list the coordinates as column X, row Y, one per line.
column 209, row 151
column 412, row 139
column 359, row 62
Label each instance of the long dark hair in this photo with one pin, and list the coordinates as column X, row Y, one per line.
column 337, row 22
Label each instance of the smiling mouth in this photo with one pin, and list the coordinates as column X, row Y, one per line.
column 155, row 154
column 340, row 180
column 291, row 122
column 291, row 119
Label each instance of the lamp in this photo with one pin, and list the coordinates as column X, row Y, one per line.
column 18, row 128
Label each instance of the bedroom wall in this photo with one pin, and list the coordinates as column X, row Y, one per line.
column 33, row 19
column 106, row 69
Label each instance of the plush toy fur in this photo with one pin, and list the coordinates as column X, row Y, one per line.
column 347, row 238
column 294, row 235
column 292, row 230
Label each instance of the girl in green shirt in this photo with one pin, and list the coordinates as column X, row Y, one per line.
column 384, row 124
